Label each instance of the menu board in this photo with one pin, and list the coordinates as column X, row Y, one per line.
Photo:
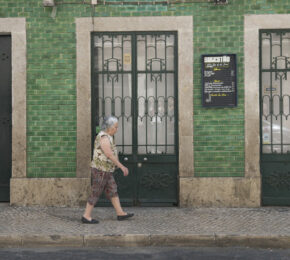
column 219, row 80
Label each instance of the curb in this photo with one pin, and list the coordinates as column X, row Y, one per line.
column 141, row 240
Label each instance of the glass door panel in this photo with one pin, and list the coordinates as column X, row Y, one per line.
column 156, row 93
column 113, row 85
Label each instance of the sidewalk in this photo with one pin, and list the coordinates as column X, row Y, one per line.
column 48, row 226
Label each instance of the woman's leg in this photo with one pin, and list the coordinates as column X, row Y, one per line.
column 98, row 184
column 111, row 192
column 88, row 211
column 117, row 205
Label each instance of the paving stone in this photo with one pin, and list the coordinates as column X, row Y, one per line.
column 149, row 226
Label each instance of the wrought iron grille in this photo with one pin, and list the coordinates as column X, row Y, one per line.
column 275, row 91
column 135, row 79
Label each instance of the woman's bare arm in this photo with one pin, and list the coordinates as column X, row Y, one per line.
column 106, row 147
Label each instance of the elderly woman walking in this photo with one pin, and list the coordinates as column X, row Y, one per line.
column 105, row 160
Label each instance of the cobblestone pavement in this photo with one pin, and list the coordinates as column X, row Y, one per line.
column 179, row 226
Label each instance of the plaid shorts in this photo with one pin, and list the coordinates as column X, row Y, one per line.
column 102, row 181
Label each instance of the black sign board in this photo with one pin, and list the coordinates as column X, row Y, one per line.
column 219, row 80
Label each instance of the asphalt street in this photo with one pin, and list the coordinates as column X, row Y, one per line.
column 130, row 253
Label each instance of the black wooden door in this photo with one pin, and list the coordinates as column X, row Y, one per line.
column 135, row 79
column 5, row 117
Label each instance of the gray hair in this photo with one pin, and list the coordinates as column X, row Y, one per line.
column 108, row 122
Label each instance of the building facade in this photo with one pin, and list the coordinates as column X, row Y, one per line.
column 66, row 66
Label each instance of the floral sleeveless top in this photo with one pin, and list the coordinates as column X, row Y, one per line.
column 100, row 160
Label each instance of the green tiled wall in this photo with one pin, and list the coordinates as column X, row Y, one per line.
column 51, row 79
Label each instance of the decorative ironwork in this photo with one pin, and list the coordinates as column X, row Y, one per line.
column 160, row 63
column 134, row 80
column 278, row 180
column 156, row 102
column 5, row 121
column 122, row 183
column 4, row 56
column 275, row 95
column 156, row 181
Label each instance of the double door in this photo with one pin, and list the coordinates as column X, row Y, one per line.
column 5, row 117
column 134, row 77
